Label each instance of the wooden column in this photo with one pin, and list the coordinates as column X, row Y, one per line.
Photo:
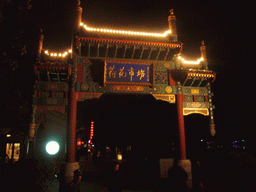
column 71, row 143
column 181, row 125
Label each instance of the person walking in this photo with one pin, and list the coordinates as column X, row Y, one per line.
column 74, row 186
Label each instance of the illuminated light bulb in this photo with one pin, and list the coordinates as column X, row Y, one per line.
column 69, row 50
column 51, row 54
column 59, row 54
column 127, row 32
column 46, row 52
column 167, row 32
column 63, row 55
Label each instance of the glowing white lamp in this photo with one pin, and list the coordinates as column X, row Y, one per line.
column 52, row 147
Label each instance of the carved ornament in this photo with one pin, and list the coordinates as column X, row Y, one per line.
column 165, row 97
column 128, row 88
column 203, row 111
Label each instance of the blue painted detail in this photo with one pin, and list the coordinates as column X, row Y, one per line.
column 124, row 72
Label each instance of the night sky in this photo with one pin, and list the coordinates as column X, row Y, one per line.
column 226, row 29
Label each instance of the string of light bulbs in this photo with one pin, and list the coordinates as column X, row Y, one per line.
column 126, row 32
column 54, row 54
column 190, row 62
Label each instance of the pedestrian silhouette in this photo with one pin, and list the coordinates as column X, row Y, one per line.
column 177, row 177
column 74, row 185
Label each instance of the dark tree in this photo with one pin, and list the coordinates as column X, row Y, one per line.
column 18, row 40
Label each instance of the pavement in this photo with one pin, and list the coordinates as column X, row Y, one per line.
column 92, row 181
column 86, row 186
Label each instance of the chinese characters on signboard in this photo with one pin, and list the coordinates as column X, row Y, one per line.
column 128, row 73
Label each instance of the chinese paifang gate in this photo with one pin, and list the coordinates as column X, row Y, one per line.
column 127, row 62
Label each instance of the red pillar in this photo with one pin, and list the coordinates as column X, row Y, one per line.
column 71, row 143
column 181, row 126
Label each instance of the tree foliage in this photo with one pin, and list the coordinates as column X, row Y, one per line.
column 18, row 40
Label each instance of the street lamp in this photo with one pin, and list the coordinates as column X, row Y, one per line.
column 52, row 147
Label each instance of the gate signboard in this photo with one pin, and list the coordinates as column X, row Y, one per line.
column 128, row 73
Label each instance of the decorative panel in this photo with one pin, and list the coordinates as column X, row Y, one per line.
column 40, row 109
column 128, row 73
column 203, row 111
column 130, row 88
column 195, row 104
column 165, row 97
column 188, row 98
column 51, row 86
column 80, row 73
column 88, row 75
column 161, row 77
column 199, row 98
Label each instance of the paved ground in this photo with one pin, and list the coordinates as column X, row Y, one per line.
column 86, row 186
column 25, row 176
